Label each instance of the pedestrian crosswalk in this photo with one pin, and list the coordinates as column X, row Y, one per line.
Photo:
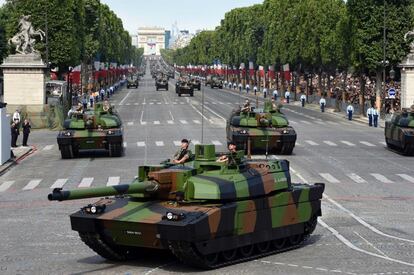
column 167, row 122
column 114, row 180
column 176, row 102
column 340, row 143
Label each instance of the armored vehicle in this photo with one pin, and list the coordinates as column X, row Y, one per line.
column 161, row 83
column 216, row 82
column 264, row 130
column 95, row 129
column 133, row 81
column 196, row 83
column 184, row 86
column 207, row 213
column 399, row 131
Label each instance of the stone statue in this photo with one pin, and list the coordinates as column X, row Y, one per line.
column 409, row 36
column 24, row 40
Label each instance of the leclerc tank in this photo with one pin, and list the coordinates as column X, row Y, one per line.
column 92, row 129
column 207, row 213
column 261, row 130
column 399, row 131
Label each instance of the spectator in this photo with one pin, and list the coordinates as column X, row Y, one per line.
column 287, row 96
column 350, row 110
column 26, row 131
column 247, row 88
column 16, row 117
column 14, row 134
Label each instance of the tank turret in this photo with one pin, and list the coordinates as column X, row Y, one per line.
column 399, row 131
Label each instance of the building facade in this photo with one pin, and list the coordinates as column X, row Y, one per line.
column 152, row 39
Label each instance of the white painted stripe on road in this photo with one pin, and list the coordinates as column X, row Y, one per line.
column 130, row 123
column 292, row 122
column 329, row 177
column 177, row 142
column 310, row 142
column 319, row 122
column 136, row 103
column 151, row 103
column 156, row 122
column 406, row 177
column 183, row 122
column 383, row 143
column 332, row 122
column 159, row 143
column 170, row 122
column 128, row 104
column 175, row 103
column 347, row 143
column 306, row 122
column 143, row 123
column 141, row 143
column 48, row 147
column 112, row 181
column 196, row 121
column 216, row 142
column 330, row 143
column 298, row 144
column 32, row 184
column 214, row 103
column 6, row 185
column 182, row 102
column 159, row 103
column 381, row 178
column 356, row 178
column 367, row 143
column 59, row 183
column 85, row 182
column 206, row 102
column 125, row 144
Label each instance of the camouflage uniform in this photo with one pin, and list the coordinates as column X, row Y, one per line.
column 182, row 153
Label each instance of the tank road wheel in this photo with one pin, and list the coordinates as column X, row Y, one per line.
column 211, row 259
column 287, row 148
column 106, row 250
column 246, row 251
column 229, row 255
column 263, row 247
column 115, row 149
column 311, row 225
column 179, row 94
column 66, row 151
column 295, row 239
column 279, row 243
column 407, row 150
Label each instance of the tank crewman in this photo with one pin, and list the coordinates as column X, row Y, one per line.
column 369, row 115
column 107, row 106
column 182, row 155
column 247, row 88
column 375, row 115
column 322, row 104
column 287, row 96
column 231, row 157
column 246, row 106
column 350, row 111
column 303, row 99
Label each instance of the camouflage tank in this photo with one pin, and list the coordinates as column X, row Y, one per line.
column 196, row 83
column 399, row 131
column 184, row 86
column 207, row 213
column 98, row 128
column 133, row 81
column 261, row 130
column 161, row 83
column 216, row 82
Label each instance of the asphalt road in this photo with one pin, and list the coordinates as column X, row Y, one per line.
column 367, row 225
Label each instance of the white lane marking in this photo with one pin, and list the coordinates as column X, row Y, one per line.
column 310, row 142
column 383, row 143
column 136, row 103
column 196, row 121
column 151, row 103
column 143, row 123
column 48, row 147
column 332, row 122
column 319, row 122
column 370, row 244
column 144, row 103
column 214, row 103
column 356, row 178
column 367, row 143
column 122, row 101
column 32, row 184
column 130, row 123
column 347, row 143
column 112, row 181
column 159, row 103
column 128, row 104
column 329, row 177
column 170, row 122
column 183, row 121
column 215, row 113
column 140, row 120
column 364, row 223
column 175, row 103
column 216, row 142
column 156, row 122
column 298, row 144
column 59, row 183
column 85, row 182
column 195, row 142
column 381, row 178
column 125, row 144
column 171, row 115
column 352, row 246
column 182, row 102
column 203, row 116
column 159, row 143
column 306, row 122
column 406, row 177
column 141, row 143
column 6, row 185
column 221, row 103
column 330, row 143
column 292, row 122
column 177, row 142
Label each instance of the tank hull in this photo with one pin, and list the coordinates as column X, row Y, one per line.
column 399, row 138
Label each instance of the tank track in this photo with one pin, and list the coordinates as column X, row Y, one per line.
column 114, row 253
column 188, row 254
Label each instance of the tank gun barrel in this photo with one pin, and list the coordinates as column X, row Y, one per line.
column 145, row 187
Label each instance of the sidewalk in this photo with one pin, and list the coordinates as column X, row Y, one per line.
column 310, row 106
column 19, row 154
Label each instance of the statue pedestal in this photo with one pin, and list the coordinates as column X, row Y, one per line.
column 24, row 79
column 407, row 81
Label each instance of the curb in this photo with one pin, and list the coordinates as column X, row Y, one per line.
column 12, row 162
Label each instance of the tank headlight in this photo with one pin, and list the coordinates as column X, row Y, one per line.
column 243, row 132
column 110, row 132
column 169, row 216
column 285, row 131
column 68, row 134
column 93, row 209
column 174, row 217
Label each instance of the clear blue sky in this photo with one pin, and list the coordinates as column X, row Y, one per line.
column 189, row 14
